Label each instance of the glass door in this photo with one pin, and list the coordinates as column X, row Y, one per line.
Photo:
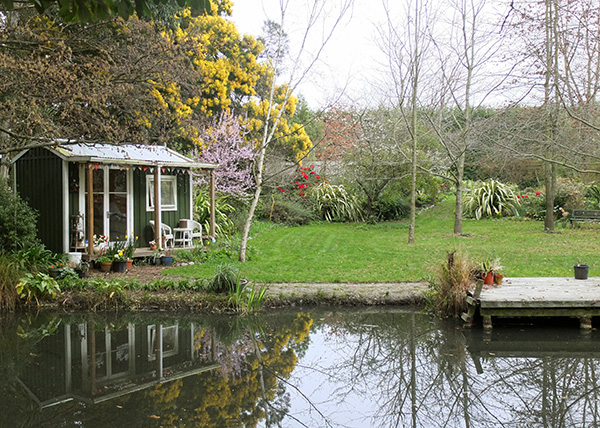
column 117, row 207
column 110, row 202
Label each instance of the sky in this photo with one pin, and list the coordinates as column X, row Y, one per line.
column 348, row 57
column 352, row 69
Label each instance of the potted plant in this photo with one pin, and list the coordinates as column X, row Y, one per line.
column 167, row 258
column 104, row 262
column 100, row 244
column 157, row 256
column 581, row 271
column 55, row 270
column 119, row 261
column 129, row 250
column 153, row 245
column 489, row 270
column 82, row 269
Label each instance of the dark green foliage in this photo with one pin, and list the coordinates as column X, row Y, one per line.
column 223, row 224
column 37, row 287
column 17, row 221
column 592, row 194
column 336, row 203
column 532, row 205
column 36, row 258
column 286, row 211
column 391, row 206
column 9, row 277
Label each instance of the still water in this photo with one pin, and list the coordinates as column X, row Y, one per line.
column 312, row 368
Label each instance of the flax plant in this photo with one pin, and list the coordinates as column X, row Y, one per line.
column 491, row 199
column 247, row 300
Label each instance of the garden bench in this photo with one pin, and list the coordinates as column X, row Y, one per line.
column 585, row 215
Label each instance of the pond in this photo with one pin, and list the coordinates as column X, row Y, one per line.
column 360, row 367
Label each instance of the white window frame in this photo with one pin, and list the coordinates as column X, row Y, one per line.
column 165, row 182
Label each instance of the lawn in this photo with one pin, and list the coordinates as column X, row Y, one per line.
column 380, row 253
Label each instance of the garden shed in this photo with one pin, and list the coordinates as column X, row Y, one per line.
column 84, row 189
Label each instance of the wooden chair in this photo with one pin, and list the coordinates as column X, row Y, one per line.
column 165, row 232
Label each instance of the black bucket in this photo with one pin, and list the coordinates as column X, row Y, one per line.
column 581, row 271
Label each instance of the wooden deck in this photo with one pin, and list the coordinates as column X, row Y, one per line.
column 141, row 252
column 538, row 297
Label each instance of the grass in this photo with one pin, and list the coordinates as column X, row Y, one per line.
column 379, row 253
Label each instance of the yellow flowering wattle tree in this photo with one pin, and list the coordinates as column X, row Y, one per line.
column 227, row 77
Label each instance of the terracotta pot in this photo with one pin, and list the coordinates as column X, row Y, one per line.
column 488, row 278
column 129, row 264
column 498, row 278
column 105, row 266
column 153, row 247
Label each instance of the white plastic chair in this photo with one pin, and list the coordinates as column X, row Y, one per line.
column 166, row 232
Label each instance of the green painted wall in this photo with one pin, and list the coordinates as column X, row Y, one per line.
column 39, row 177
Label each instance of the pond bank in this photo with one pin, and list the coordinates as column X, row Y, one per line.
column 278, row 295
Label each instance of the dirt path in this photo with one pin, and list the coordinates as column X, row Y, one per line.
column 400, row 293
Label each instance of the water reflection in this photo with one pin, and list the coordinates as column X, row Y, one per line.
column 343, row 368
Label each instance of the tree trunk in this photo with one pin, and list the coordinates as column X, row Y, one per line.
column 550, row 184
column 458, row 208
column 413, row 125
column 248, row 224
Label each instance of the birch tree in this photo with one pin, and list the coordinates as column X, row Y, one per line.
column 293, row 66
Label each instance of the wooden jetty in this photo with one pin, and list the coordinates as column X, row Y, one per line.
column 536, row 297
column 516, row 342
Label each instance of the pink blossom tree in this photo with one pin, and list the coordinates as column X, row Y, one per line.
column 223, row 144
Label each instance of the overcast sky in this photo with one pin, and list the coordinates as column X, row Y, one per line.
column 347, row 56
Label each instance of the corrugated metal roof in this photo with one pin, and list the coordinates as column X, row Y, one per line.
column 132, row 154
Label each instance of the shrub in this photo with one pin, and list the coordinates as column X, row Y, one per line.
column 569, row 194
column 247, row 299
column 335, row 203
column 10, row 274
column 18, row 221
column 391, row 206
column 490, row 199
column 592, row 195
column 447, row 292
column 532, row 205
column 286, row 211
column 225, row 279
column 38, row 286
column 223, row 224
column 36, row 258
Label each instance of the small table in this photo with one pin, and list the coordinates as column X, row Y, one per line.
column 183, row 236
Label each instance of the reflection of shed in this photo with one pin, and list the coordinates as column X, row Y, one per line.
column 91, row 364
column 84, row 189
